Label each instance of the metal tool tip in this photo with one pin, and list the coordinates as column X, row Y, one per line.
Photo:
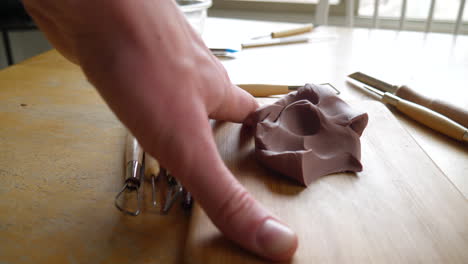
column 129, row 189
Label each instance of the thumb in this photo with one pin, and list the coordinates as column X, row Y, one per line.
column 226, row 202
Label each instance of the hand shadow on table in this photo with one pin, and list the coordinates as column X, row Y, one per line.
column 149, row 237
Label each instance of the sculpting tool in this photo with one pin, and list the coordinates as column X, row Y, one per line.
column 290, row 32
column 451, row 111
column 188, row 200
column 274, row 42
column 264, row 90
column 175, row 190
column 229, row 53
column 223, row 50
column 152, row 169
column 420, row 113
column 133, row 175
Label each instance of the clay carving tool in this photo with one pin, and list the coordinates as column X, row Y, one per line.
column 153, row 170
column 274, row 42
column 174, row 192
column 134, row 174
column 188, row 200
column 420, row 113
column 264, row 90
column 451, row 111
column 230, row 53
column 285, row 41
column 290, row 32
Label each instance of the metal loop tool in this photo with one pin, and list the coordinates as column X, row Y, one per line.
column 134, row 174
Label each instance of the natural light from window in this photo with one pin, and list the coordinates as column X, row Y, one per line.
column 419, row 9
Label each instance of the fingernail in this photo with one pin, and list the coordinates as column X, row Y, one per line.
column 275, row 238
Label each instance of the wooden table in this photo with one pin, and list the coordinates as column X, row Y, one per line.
column 61, row 159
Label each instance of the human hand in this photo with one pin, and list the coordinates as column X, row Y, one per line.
column 163, row 83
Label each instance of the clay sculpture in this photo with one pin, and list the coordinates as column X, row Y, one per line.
column 308, row 134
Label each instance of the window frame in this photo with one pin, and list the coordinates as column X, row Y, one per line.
column 301, row 12
column 276, row 6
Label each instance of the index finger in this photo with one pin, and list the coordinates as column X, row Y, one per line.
column 197, row 164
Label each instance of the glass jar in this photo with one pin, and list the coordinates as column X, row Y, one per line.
column 195, row 11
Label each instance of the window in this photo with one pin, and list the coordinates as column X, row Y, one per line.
column 445, row 10
column 389, row 12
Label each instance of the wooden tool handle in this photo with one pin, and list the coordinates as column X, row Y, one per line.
column 428, row 117
column 133, row 151
column 451, row 111
column 263, row 90
column 151, row 165
column 274, row 42
column 292, row 32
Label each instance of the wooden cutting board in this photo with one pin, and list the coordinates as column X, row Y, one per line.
column 400, row 209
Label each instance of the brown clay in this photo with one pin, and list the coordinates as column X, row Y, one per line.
column 308, row 134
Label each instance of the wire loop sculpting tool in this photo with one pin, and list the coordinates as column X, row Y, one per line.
column 133, row 176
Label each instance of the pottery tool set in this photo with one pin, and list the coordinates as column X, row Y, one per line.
column 138, row 166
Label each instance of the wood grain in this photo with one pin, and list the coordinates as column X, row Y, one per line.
column 62, row 157
column 400, row 209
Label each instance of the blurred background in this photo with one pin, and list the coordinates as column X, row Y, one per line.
column 21, row 40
